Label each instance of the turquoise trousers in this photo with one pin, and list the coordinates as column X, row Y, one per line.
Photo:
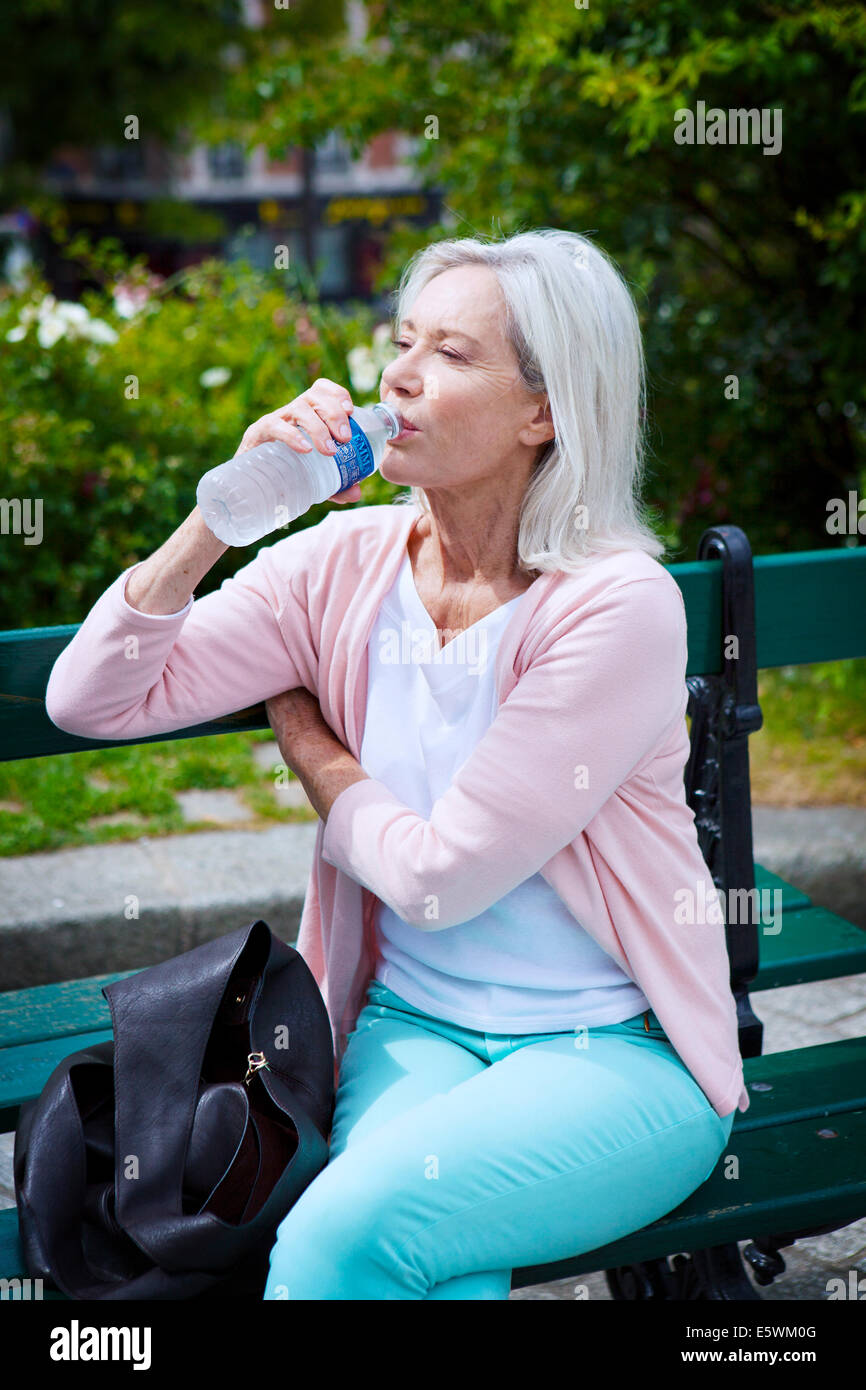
column 457, row 1156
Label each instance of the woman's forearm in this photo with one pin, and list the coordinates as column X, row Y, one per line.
column 325, row 768
column 164, row 582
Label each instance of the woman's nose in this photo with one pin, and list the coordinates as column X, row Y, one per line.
column 402, row 374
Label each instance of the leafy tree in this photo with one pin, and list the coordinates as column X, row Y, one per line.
column 745, row 264
column 71, row 71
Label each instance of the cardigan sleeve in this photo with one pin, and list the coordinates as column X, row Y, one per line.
column 592, row 707
column 128, row 674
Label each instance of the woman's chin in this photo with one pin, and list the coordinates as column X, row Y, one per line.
column 394, row 470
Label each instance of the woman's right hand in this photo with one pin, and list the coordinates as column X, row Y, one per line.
column 323, row 411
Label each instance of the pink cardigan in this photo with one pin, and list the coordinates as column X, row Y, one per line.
column 580, row 775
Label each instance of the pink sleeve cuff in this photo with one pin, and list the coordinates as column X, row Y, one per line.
column 340, row 832
column 136, row 612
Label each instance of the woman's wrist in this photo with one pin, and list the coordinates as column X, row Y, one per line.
column 166, row 580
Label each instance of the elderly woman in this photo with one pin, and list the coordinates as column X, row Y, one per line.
column 482, row 690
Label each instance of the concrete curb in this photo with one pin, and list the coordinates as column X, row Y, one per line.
column 71, row 914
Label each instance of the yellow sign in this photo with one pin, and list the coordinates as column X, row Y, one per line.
column 375, row 210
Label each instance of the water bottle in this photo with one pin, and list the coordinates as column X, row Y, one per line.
column 267, row 487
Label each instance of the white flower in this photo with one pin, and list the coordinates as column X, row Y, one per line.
column 73, row 315
column 130, row 299
column 65, row 319
column 50, row 329
column 25, row 318
column 124, row 304
column 215, row 376
column 99, row 331
column 363, row 372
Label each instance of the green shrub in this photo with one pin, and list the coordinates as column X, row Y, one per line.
column 112, row 410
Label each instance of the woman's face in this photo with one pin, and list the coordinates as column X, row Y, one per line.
column 456, row 378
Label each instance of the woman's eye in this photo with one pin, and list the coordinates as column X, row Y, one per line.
column 399, row 343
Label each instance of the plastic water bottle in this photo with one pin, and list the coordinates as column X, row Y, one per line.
column 264, row 488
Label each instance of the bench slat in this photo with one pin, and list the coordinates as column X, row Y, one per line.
column 24, row 1070
column 791, row 897
column 807, row 1083
column 814, row 944
column 55, row 1011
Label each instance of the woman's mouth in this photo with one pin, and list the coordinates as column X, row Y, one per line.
column 406, row 433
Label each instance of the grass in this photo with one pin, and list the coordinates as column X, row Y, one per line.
column 59, row 799
column 810, row 752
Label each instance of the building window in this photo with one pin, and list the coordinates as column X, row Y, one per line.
column 119, row 162
column 331, row 250
column 226, row 161
column 332, row 155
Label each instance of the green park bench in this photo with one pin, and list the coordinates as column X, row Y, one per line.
column 801, row 1144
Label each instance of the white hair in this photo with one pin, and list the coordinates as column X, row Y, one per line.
column 572, row 322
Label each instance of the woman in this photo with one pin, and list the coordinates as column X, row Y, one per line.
column 483, row 693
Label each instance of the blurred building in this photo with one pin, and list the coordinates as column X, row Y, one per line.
column 319, row 204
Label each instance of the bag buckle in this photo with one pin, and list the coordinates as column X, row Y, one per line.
column 255, row 1062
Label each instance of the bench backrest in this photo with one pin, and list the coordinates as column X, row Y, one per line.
column 809, row 606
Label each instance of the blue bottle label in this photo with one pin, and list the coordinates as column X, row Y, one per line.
column 355, row 458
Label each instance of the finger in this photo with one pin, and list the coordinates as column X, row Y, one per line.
column 306, row 415
column 332, row 403
column 352, row 494
column 289, row 434
column 321, row 390
column 335, row 411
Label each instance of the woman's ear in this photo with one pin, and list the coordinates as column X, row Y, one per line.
column 540, row 429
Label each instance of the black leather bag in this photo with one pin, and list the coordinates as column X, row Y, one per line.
column 159, row 1165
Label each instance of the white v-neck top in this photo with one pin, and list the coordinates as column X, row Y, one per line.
column 525, row 965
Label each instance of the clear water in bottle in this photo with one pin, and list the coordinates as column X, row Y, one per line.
column 265, row 488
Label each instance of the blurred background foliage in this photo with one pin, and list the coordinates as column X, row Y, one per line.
column 114, row 435
column 743, row 263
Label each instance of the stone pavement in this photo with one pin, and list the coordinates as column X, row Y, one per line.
column 67, row 915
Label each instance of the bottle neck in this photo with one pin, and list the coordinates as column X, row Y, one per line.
column 390, row 417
